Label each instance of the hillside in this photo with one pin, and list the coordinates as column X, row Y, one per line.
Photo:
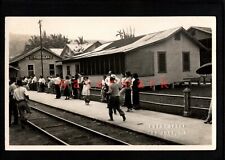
column 17, row 43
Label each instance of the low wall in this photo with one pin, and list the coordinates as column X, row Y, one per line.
column 167, row 103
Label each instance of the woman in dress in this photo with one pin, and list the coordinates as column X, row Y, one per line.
column 127, row 102
column 67, row 86
column 86, row 90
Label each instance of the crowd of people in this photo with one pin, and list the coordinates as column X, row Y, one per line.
column 114, row 91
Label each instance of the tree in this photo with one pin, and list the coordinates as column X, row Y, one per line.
column 80, row 40
column 126, row 34
column 52, row 41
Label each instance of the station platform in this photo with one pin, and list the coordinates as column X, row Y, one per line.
column 178, row 129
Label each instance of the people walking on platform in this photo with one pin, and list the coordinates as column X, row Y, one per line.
column 114, row 101
column 75, row 86
column 12, row 103
column 80, row 82
column 86, row 90
column 57, row 82
column 21, row 97
column 209, row 117
column 104, row 89
column 128, row 102
column 67, row 88
column 135, row 91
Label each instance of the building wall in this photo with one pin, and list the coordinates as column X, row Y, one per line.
column 23, row 64
column 141, row 62
column 144, row 61
column 174, row 60
column 72, row 68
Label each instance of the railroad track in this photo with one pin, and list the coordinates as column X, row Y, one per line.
column 66, row 132
column 120, row 133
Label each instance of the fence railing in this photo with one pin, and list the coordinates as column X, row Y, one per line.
column 185, row 103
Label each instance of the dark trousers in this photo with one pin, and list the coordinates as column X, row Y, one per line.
column 13, row 110
column 57, row 89
column 114, row 104
column 80, row 90
column 42, row 87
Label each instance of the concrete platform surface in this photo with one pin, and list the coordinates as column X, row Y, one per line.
column 174, row 128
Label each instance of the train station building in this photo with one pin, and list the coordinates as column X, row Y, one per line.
column 29, row 63
column 172, row 55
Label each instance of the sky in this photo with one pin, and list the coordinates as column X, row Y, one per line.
column 101, row 28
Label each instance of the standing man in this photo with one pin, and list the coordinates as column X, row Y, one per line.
column 57, row 86
column 12, row 103
column 21, row 97
column 34, row 82
column 114, row 100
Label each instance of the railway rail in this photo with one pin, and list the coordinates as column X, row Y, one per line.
column 66, row 132
column 96, row 128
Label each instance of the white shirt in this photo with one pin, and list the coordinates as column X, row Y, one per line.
column 42, row 80
column 20, row 93
column 57, row 80
column 34, row 80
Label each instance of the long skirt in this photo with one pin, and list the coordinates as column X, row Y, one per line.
column 67, row 91
column 127, row 102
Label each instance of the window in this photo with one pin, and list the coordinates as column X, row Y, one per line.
column 30, row 70
column 51, row 69
column 186, row 61
column 177, row 36
column 68, row 70
column 77, row 67
column 162, row 62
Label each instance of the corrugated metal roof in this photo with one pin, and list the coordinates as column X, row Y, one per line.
column 122, row 42
column 204, row 29
column 102, row 46
column 144, row 40
column 57, row 51
column 12, row 67
column 78, row 48
column 140, row 41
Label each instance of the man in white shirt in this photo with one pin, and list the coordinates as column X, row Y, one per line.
column 20, row 95
column 34, row 83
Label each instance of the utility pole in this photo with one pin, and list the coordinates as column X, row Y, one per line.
column 39, row 22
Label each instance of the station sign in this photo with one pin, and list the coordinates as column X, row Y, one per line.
column 38, row 57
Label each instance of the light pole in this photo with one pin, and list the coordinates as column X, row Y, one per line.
column 39, row 22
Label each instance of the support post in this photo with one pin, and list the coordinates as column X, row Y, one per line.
column 187, row 101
